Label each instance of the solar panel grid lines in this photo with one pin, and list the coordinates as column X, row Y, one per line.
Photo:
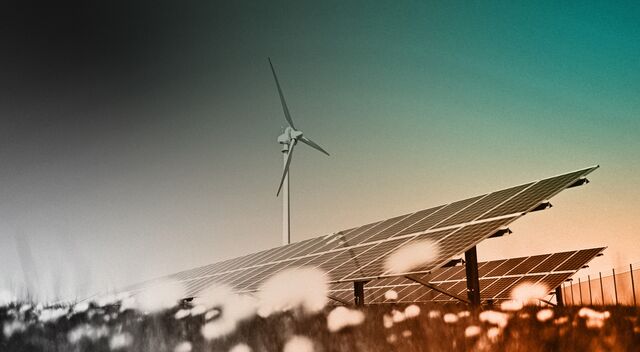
column 366, row 236
column 439, row 215
column 579, row 258
column 484, row 205
column 408, row 221
column 299, row 247
column 374, row 259
column 542, row 190
column 469, row 221
column 461, row 240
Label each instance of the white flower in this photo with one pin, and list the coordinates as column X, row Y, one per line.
column 305, row 288
column 434, row 314
column 511, row 305
column 87, row 331
column 13, row 327
column 397, row 316
column 227, row 309
column 411, row 311
column 544, row 314
column 159, row 297
column 121, row 340
column 181, row 314
column 184, row 346
column 241, row 347
column 493, row 333
column 81, row 307
column 464, row 314
column 299, row 344
column 391, row 295
column 342, row 317
column 450, row 318
column 411, row 256
column 493, row 317
column 472, row 330
column 529, row 293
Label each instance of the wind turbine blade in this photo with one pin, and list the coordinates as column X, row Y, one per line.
column 285, row 171
column 287, row 115
column 312, row 144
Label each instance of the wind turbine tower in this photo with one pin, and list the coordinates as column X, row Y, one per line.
column 288, row 140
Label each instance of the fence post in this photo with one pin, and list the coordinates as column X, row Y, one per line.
column 590, row 295
column 601, row 288
column 615, row 286
column 633, row 286
column 573, row 301
column 580, row 290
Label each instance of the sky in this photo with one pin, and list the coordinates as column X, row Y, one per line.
column 138, row 139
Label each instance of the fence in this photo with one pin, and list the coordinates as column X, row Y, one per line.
column 621, row 286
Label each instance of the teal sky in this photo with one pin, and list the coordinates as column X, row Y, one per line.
column 174, row 162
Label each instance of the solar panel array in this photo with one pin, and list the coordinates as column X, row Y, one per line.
column 497, row 279
column 359, row 253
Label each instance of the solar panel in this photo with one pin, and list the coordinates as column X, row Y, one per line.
column 494, row 285
column 359, row 253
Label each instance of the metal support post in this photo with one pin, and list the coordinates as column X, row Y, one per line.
column 358, row 292
column 473, row 282
column 633, row 285
column 615, row 285
column 590, row 295
column 580, row 289
column 559, row 298
column 573, row 301
column 601, row 287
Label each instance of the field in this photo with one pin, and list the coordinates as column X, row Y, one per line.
column 393, row 327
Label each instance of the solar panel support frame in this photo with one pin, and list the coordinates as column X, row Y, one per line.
column 559, row 298
column 358, row 293
column 473, row 278
column 436, row 288
column 338, row 300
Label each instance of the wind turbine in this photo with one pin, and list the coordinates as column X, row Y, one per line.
column 288, row 140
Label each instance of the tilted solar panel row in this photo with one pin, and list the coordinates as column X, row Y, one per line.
column 495, row 283
column 359, row 253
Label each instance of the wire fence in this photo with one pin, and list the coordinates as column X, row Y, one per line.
column 620, row 286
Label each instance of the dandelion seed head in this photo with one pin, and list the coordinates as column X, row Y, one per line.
column 464, row 314
column 120, row 341
column 342, row 317
column 397, row 316
column 544, row 315
column 159, row 297
column 434, row 314
column 298, row 344
column 412, row 311
column 494, row 317
column 391, row 295
column 10, row 328
column 450, row 318
column 241, row 347
column 493, row 333
column 472, row 330
column 511, row 305
column 81, row 307
column 184, row 346
column 305, row 288
column 181, row 314
column 411, row 256
column 529, row 293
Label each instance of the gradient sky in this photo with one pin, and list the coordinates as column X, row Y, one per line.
column 137, row 140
